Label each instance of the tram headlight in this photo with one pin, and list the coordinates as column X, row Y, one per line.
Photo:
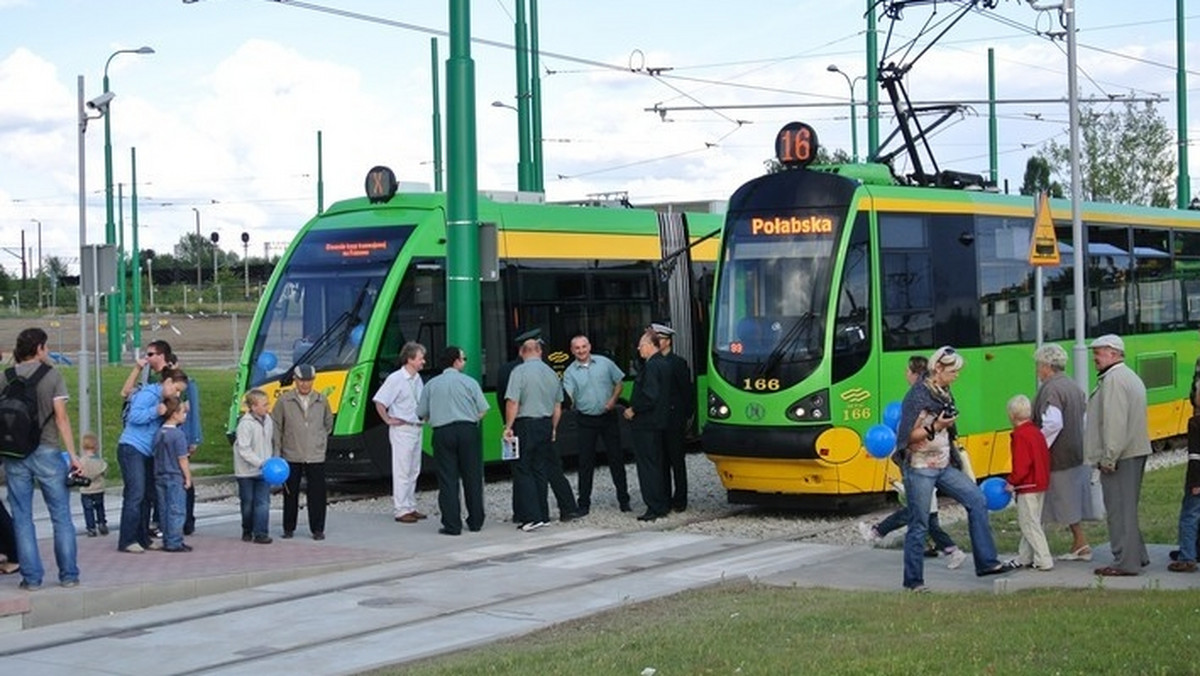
column 813, row 408
column 717, row 408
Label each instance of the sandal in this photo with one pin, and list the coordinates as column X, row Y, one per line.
column 1084, row 553
column 1110, row 571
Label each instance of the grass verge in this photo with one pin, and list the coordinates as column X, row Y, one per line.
column 744, row 628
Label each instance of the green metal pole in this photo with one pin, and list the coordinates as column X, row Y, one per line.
column 115, row 301
column 136, row 260
column 121, row 251
column 320, row 179
column 872, row 85
column 462, row 198
column 1183, row 189
column 535, row 100
column 437, row 116
column 524, row 168
column 993, row 134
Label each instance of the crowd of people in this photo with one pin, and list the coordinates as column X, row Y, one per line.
column 1059, row 439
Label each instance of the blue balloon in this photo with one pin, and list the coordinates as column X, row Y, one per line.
column 880, row 441
column 356, row 334
column 891, row 416
column 275, row 471
column 994, row 494
column 267, row 360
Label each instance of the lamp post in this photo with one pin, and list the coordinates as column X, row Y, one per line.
column 832, row 68
column 116, row 311
column 216, row 237
column 101, row 108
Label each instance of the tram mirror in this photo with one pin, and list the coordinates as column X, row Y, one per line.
column 489, row 253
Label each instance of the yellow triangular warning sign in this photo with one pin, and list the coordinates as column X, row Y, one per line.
column 1043, row 246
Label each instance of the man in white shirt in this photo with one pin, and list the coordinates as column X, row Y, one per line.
column 396, row 402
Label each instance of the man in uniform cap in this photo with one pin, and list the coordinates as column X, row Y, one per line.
column 681, row 402
column 506, row 368
column 1116, row 439
column 303, row 421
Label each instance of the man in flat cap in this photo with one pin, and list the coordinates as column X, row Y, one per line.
column 303, row 421
column 681, row 402
column 1116, row 439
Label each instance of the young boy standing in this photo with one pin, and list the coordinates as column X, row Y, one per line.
column 252, row 447
column 91, row 496
column 172, row 474
column 1029, row 480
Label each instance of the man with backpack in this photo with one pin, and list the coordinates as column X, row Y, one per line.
column 34, row 430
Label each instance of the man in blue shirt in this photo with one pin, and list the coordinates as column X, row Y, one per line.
column 594, row 383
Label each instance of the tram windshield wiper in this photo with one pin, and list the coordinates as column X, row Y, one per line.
column 337, row 335
column 801, row 327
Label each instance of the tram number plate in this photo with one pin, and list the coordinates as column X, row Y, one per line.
column 760, row 384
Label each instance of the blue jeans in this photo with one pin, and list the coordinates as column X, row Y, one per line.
column 919, row 485
column 1189, row 521
column 255, row 496
column 46, row 466
column 137, row 471
column 93, row 509
column 172, row 506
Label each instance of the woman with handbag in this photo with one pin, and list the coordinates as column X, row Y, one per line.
column 927, row 436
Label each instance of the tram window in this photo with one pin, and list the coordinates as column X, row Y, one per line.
column 550, row 286
column 1058, row 283
column 1158, row 299
column 1108, row 268
column 610, row 286
column 852, row 327
column 1005, row 280
column 1186, row 246
column 900, row 231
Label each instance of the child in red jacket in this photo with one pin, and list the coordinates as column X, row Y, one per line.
column 1029, row 480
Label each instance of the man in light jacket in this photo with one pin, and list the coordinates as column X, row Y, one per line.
column 303, row 421
column 1117, row 440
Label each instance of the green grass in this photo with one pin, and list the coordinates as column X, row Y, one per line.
column 214, row 456
column 742, row 628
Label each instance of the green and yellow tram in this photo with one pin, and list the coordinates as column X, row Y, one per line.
column 829, row 278
column 364, row 277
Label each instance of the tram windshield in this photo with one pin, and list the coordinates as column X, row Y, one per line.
column 769, row 316
column 320, row 305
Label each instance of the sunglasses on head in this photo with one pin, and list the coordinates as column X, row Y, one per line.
column 947, row 356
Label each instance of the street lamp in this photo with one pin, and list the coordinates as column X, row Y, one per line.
column 216, row 237
column 501, row 104
column 832, row 68
column 116, row 311
column 246, row 263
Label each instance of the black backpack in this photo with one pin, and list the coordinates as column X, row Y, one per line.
column 20, row 426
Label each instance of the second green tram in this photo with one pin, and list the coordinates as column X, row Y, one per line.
column 364, row 277
column 829, row 278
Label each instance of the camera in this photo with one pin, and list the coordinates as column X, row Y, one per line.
column 74, row 480
column 948, row 411
column 101, row 102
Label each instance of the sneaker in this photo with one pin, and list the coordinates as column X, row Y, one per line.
column 931, row 552
column 568, row 516
column 868, row 533
column 287, row 535
column 246, row 537
column 955, row 559
column 91, row 532
column 180, row 550
column 29, row 586
column 919, row 589
column 1012, row 564
column 134, row 548
column 262, row 539
column 530, row 526
column 104, row 529
column 155, row 545
column 69, row 583
column 318, row 535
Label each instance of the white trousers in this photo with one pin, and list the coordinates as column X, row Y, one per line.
column 406, row 466
column 1033, row 548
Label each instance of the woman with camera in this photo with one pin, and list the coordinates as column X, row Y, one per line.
column 929, row 460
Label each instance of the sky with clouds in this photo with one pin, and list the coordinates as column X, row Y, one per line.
column 224, row 115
